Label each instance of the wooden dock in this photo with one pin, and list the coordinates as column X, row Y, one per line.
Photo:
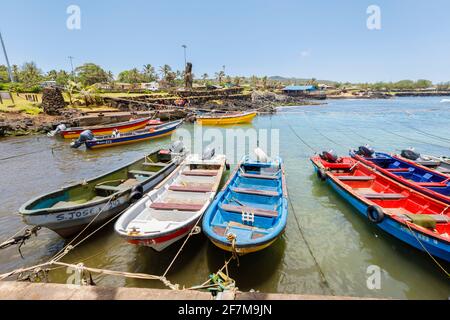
column 11, row 290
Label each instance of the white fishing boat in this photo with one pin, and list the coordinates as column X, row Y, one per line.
column 176, row 205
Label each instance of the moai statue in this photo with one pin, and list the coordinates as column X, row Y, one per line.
column 188, row 78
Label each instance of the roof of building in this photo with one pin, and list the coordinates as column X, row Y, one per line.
column 299, row 88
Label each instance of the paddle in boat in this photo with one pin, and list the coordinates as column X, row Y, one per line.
column 250, row 212
column 68, row 210
column 176, row 205
column 226, row 119
column 422, row 179
column 127, row 126
column 440, row 164
column 117, row 138
column 408, row 215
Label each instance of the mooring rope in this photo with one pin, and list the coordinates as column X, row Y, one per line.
column 321, row 273
column 425, row 249
column 300, row 138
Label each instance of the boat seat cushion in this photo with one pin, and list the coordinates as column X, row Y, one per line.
column 176, row 206
column 255, row 211
column 384, row 196
column 256, row 192
column 355, row 178
column 422, row 220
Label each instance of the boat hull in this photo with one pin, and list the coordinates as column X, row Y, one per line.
column 228, row 120
column 392, row 226
column 140, row 137
column 72, row 133
column 162, row 241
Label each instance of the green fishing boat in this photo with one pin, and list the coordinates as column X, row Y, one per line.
column 69, row 210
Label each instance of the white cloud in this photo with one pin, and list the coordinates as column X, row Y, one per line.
column 305, row 53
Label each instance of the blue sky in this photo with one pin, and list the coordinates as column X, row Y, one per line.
column 293, row 38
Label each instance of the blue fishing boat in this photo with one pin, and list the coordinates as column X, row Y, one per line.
column 427, row 181
column 250, row 212
column 118, row 138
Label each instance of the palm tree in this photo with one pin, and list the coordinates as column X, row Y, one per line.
column 205, row 76
column 165, row 71
column 149, row 73
column 220, row 75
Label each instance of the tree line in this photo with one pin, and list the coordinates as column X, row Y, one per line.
column 29, row 76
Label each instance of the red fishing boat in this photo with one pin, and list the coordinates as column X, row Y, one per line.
column 127, row 126
column 406, row 214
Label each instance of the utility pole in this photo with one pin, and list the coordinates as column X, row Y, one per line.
column 184, row 47
column 71, row 63
column 6, row 58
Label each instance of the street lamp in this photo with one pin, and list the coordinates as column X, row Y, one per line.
column 71, row 63
column 6, row 58
column 184, row 47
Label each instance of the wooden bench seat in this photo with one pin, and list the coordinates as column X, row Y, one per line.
column 176, row 206
column 255, row 211
column 384, row 196
column 200, row 173
column 259, row 176
column 355, row 178
column 190, row 189
column 142, row 172
column 155, row 164
column 256, row 192
column 108, row 188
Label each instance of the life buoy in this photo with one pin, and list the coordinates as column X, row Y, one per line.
column 136, row 193
column 321, row 174
column 375, row 214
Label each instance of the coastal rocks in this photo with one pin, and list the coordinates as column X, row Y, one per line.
column 52, row 101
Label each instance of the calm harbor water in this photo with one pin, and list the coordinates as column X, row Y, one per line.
column 327, row 246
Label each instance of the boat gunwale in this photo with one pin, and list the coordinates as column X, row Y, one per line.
column 241, row 115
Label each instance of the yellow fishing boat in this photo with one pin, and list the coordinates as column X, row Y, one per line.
column 226, row 119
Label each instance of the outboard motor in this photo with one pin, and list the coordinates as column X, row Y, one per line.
column 58, row 129
column 209, row 153
column 410, row 154
column 177, row 147
column 84, row 136
column 365, row 151
column 329, row 156
column 261, row 156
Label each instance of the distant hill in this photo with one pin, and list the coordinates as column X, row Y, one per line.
column 298, row 80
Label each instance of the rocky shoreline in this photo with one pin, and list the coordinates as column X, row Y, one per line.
column 19, row 124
